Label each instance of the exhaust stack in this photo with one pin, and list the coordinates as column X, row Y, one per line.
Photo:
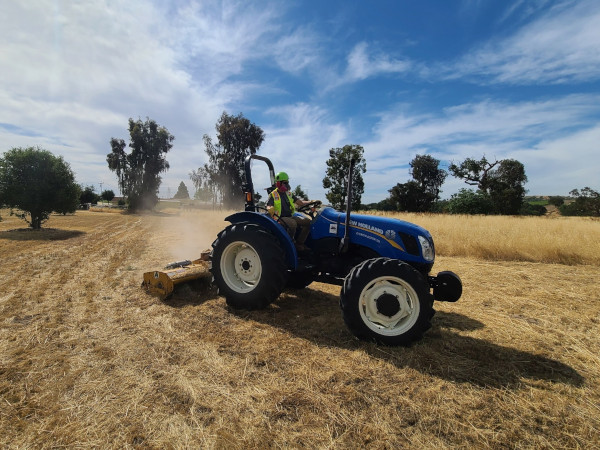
column 346, row 239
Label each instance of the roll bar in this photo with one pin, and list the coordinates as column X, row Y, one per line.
column 248, row 186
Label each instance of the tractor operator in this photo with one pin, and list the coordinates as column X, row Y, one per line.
column 282, row 206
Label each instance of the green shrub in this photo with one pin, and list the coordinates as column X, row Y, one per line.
column 468, row 201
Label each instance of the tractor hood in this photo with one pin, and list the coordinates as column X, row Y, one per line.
column 389, row 237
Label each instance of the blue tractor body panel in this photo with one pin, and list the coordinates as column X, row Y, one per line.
column 388, row 237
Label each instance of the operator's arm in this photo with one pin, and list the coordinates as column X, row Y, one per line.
column 300, row 203
column 271, row 206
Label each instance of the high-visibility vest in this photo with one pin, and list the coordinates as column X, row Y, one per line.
column 277, row 202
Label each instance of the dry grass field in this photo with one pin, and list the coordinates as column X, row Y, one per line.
column 87, row 359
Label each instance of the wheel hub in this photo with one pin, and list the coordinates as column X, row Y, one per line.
column 246, row 270
column 388, row 305
column 241, row 267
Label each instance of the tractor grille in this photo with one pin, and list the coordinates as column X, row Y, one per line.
column 410, row 244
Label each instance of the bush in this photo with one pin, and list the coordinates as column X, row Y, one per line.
column 468, row 201
column 556, row 201
column 107, row 195
column 88, row 195
column 587, row 203
column 441, row 206
column 532, row 209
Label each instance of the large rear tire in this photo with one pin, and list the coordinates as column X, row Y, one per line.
column 248, row 266
column 388, row 301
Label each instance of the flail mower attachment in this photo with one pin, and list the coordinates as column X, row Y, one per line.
column 162, row 282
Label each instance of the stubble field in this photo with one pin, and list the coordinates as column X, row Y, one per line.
column 88, row 359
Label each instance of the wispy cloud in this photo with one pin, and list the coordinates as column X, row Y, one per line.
column 299, row 145
column 522, row 130
column 215, row 39
column 521, row 10
column 75, row 71
column 72, row 73
column 496, row 124
column 362, row 64
column 561, row 46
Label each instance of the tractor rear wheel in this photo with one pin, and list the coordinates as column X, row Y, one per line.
column 248, row 266
column 386, row 300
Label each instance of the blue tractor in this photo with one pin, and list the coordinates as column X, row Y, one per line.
column 382, row 264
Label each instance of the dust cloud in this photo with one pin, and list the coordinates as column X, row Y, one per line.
column 186, row 234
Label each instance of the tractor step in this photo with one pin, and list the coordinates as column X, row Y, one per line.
column 304, row 266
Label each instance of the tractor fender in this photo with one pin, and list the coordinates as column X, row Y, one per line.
column 265, row 221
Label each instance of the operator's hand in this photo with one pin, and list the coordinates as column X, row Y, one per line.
column 315, row 204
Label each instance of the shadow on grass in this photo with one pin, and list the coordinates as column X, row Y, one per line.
column 45, row 234
column 443, row 352
column 315, row 316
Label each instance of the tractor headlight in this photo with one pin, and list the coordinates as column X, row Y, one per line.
column 426, row 248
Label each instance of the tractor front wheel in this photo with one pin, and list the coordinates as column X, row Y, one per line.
column 248, row 266
column 386, row 300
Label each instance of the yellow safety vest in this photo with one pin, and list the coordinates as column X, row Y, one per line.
column 277, row 202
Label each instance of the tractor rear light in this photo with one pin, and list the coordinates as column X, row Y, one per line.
column 426, row 249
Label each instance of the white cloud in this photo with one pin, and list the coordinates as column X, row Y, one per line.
column 559, row 47
column 300, row 146
column 535, row 133
column 215, row 39
column 74, row 72
column 555, row 167
column 298, row 50
column 362, row 65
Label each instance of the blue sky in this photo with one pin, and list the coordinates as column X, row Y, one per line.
column 453, row 79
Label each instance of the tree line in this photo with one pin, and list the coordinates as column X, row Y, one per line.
column 500, row 187
column 34, row 183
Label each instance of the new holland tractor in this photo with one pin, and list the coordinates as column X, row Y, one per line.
column 382, row 264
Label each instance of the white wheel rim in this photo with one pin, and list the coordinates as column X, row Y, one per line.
column 400, row 295
column 241, row 267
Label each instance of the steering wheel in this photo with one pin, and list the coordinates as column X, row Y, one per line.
column 309, row 208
